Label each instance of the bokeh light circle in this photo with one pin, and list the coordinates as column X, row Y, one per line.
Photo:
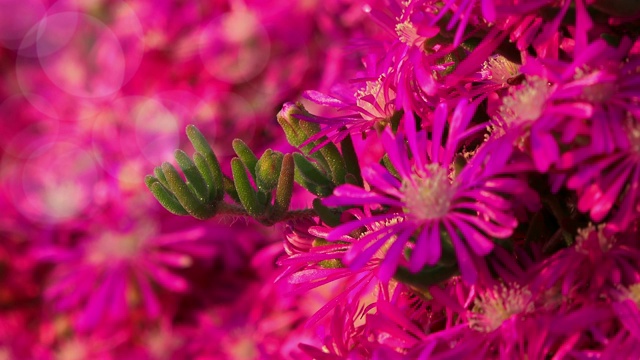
column 235, row 47
column 55, row 183
column 134, row 134
column 17, row 18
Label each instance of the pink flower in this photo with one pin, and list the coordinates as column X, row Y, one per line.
column 598, row 263
column 114, row 273
column 424, row 198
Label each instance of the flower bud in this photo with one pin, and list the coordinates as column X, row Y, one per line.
column 268, row 170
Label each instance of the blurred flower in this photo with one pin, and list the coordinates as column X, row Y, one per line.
column 114, row 274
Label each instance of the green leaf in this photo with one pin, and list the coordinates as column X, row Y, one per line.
column 310, row 129
column 201, row 145
column 296, row 132
column 458, row 164
column 350, row 179
column 268, row 170
column 389, row 166
column 290, row 124
column 246, row 193
column 284, row 190
column 193, row 175
column 157, row 172
column 230, row 189
column 186, row 198
column 207, row 175
column 321, row 191
column 395, row 120
column 311, row 172
column 351, row 159
column 336, row 163
column 249, row 159
column 327, row 215
column 166, row 199
column 426, row 277
column 150, row 180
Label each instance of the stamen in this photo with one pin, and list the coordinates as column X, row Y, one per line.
column 493, row 308
column 526, row 102
column 499, row 70
column 428, row 196
column 381, row 107
column 592, row 238
column 407, row 33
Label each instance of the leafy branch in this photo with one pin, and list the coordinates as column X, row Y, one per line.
column 259, row 187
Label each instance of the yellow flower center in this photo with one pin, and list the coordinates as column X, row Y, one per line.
column 493, row 308
column 407, row 33
column 584, row 241
column 525, row 103
column 428, row 196
column 498, row 69
column 380, row 108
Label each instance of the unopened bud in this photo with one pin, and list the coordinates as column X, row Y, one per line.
column 268, row 170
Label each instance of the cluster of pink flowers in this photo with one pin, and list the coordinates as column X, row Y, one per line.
column 93, row 95
column 468, row 179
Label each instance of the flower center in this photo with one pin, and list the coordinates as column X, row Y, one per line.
column 113, row 246
column 372, row 100
column 407, row 33
column 494, row 307
column 428, row 196
column 498, row 69
column 592, row 239
column 526, row 102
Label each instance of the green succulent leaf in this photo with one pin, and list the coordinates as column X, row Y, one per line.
column 193, row 175
column 268, row 170
column 327, row 215
column 336, row 163
column 249, row 159
column 389, row 166
column 284, row 190
column 207, row 176
column 201, row 146
column 187, row 199
column 321, row 191
column 351, row 159
column 230, row 189
column 246, row 193
column 159, row 175
column 310, row 171
column 426, row 277
column 166, row 199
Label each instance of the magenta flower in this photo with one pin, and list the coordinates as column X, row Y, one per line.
column 527, row 28
column 370, row 105
column 608, row 183
column 499, row 324
column 560, row 101
column 465, row 12
column 342, row 338
column 590, row 94
column 412, row 57
column 99, row 277
column 320, row 263
column 597, row 264
column 471, row 209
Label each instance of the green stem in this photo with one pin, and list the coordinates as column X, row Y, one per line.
column 235, row 210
